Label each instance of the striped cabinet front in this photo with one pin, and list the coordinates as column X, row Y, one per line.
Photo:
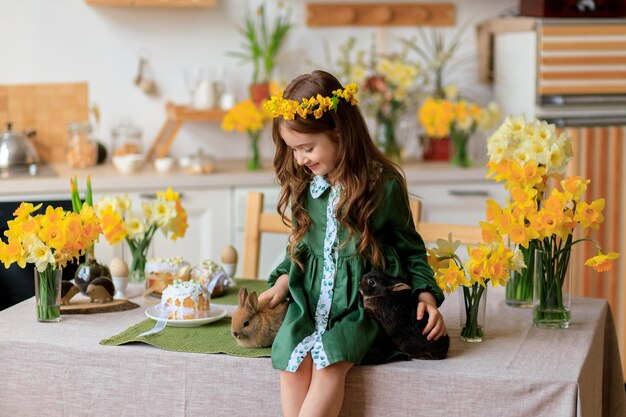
column 581, row 59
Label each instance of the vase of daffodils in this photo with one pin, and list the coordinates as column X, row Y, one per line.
column 535, row 151
column 541, row 220
column 120, row 223
column 49, row 240
column 488, row 262
column 457, row 120
column 250, row 118
column 389, row 85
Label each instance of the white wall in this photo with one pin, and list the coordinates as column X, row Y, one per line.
column 68, row 40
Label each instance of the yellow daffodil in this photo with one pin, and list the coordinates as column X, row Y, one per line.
column 47, row 240
column 590, row 215
column 602, row 262
column 25, row 209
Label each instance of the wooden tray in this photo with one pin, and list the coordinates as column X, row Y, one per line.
column 87, row 307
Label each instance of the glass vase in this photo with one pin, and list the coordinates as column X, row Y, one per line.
column 553, row 290
column 519, row 288
column 460, row 158
column 139, row 254
column 254, row 162
column 472, row 304
column 48, row 294
column 386, row 138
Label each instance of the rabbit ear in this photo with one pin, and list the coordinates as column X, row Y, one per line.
column 243, row 294
column 252, row 301
column 400, row 286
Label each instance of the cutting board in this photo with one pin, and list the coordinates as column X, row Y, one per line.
column 87, row 307
column 46, row 108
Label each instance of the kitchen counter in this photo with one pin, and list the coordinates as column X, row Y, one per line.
column 105, row 178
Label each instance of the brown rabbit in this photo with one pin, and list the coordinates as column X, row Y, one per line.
column 255, row 325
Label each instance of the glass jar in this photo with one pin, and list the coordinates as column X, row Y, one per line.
column 82, row 152
column 126, row 139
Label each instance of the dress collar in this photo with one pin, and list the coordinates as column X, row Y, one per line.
column 318, row 186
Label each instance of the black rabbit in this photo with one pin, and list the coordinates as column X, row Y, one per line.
column 388, row 300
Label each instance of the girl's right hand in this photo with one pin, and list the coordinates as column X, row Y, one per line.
column 277, row 293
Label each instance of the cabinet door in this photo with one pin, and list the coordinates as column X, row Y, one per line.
column 209, row 219
column 456, row 203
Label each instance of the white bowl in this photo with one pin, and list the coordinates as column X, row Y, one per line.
column 127, row 164
column 164, row 165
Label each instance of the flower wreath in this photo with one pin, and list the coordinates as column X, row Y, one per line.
column 279, row 106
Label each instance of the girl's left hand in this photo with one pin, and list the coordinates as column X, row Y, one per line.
column 435, row 328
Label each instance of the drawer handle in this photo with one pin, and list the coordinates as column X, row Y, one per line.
column 153, row 196
column 469, row 193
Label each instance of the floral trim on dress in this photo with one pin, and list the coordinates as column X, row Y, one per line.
column 313, row 343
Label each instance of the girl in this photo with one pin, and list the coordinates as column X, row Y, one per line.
column 350, row 209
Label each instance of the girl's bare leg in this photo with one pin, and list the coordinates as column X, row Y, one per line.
column 326, row 391
column 294, row 387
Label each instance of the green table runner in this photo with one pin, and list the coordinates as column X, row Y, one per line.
column 211, row 338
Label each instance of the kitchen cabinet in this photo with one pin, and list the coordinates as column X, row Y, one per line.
column 209, row 219
column 456, row 203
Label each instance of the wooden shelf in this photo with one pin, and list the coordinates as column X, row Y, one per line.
column 177, row 115
column 380, row 14
column 153, row 3
column 485, row 33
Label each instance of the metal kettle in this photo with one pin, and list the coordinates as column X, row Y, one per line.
column 16, row 149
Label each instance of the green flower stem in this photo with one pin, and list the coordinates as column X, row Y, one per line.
column 48, row 307
column 460, row 139
column 472, row 298
column 139, row 252
column 519, row 289
column 387, row 137
column 254, row 163
column 555, row 257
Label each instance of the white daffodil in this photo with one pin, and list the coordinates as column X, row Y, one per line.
column 517, row 262
column 38, row 254
column 446, row 247
column 124, row 205
column 136, row 227
column 164, row 212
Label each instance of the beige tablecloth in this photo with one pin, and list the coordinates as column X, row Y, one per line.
column 60, row 369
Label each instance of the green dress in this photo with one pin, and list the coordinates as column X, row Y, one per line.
column 325, row 316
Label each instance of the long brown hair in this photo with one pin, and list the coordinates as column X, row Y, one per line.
column 361, row 192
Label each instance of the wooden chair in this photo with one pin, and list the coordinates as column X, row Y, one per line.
column 258, row 222
column 430, row 232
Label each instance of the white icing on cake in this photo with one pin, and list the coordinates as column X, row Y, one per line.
column 175, row 295
column 165, row 265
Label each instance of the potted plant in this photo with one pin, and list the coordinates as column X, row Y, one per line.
column 263, row 41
